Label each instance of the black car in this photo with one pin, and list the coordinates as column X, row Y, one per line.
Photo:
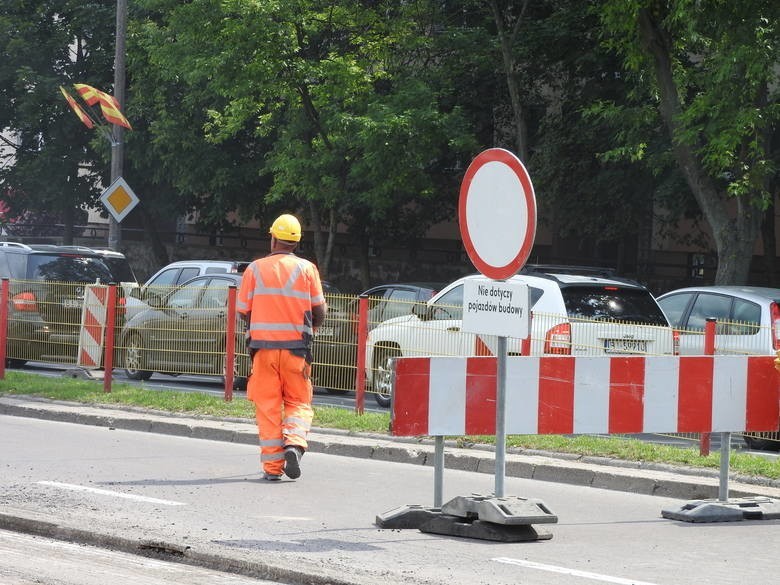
column 46, row 295
column 335, row 344
column 183, row 332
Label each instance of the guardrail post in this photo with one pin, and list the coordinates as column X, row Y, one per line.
column 3, row 326
column 360, row 374
column 108, row 360
column 709, row 349
column 230, row 343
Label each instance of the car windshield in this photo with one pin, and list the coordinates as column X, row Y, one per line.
column 67, row 268
column 610, row 303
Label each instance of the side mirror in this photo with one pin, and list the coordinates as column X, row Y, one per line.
column 154, row 300
column 421, row 311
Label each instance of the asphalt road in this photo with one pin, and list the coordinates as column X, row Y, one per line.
column 36, row 560
column 206, row 497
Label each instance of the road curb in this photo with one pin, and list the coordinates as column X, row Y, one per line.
column 171, row 552
column 598, row 472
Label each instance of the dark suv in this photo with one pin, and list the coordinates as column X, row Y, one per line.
column 46, row 295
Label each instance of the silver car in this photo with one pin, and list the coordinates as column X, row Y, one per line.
column 748, row 323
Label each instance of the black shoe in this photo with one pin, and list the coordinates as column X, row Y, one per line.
column 292, row 462
column 272, row 477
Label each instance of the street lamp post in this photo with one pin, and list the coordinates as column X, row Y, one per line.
column 118, row 146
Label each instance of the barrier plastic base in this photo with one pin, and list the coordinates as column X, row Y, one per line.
column 505, row 519
column 411, row 516
column 509, row 510
column 456, row 526
column 84, row 373
column 732, row 510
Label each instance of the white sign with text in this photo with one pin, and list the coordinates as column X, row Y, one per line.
column 495, row 307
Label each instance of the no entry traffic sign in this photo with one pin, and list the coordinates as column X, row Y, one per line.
column 497, row 213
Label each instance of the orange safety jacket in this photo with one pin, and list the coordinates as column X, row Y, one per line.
column 277, row 293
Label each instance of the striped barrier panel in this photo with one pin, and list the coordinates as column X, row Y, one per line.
column 93, row 326
column 453, row 396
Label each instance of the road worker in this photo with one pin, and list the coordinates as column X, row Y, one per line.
column 777, row 360
column 282, row 303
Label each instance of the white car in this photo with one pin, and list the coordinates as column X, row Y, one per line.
column 574, row 312
column 172, row 275
column 747, row 323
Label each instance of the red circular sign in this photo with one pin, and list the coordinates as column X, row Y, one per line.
column 497, row 213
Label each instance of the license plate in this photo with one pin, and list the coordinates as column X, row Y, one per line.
column 324, row 332
column 72, row 303
column 625, row 346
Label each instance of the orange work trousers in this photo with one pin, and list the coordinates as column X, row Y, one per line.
column 280, row 386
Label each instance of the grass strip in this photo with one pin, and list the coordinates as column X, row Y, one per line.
column 196, row 403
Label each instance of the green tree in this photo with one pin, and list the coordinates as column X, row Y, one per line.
column 710, row 69
column 43, row 45
column 323, row 90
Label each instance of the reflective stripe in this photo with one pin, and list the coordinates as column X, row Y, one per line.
column 296, row 421
column 272, row 456
column 272, row 443
column 284, row 344
column 280, row 327
column 297, row 432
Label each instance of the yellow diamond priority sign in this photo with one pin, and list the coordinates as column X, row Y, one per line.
column 119, row 199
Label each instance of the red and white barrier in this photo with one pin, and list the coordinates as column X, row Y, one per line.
column 454, row 396
column 93, row 326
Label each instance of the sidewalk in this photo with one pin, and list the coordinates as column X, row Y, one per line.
column 598, row 472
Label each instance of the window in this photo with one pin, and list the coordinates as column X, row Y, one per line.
column 706, row 306
column 187, row 273
column 185, row 297
column 674, row 306
column 449, row 305
column 398, row 303
column 746, row 318
column 216, row 294
column 67, row 269
column 609, row 303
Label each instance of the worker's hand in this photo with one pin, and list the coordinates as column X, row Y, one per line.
column 777, row 360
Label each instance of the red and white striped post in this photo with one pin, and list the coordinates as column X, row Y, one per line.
column 108, row 359
column 3, row 325
column 360, row 374
column 709, row 349
column 230, row 343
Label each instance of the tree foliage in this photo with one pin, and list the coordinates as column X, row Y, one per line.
column 43, row 45
column 711, row 70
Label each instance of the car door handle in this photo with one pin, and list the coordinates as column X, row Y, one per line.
column 453, row 328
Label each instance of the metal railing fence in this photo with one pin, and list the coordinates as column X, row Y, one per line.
column 184, row 331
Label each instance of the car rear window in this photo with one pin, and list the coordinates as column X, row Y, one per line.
column 120, row 269
column 67, row 268
column 611, row 303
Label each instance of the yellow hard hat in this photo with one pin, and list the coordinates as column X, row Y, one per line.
column 286, row 227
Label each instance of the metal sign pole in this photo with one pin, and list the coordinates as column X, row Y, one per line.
column 500, row 416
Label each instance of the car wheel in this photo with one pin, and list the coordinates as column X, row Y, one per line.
column 381, row 381
column 135, row 361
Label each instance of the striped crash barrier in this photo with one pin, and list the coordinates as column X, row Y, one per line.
column 452, row 396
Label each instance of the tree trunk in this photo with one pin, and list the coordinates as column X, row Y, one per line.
column 734, row 236
column 507, row 34
column 159, row 251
